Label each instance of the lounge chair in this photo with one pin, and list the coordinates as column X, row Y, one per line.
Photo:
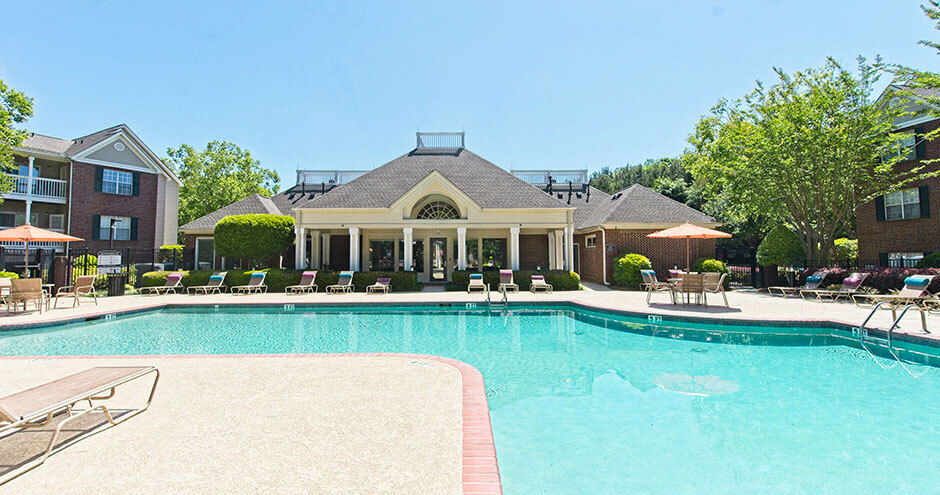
column 173, row 281
column 382, row 284
column 84, row 285
column 812, row 283
column 344, row 284
column 715, row 283
column 506, row 283
column 539, row 284
column 850, row 286
column 651, row 284
column 913, row 292
column 215, row 285
column 255, row 284
column 306, row 284
column 693, row 283
column 476, row 283
column 36, row 407
column 25, row 290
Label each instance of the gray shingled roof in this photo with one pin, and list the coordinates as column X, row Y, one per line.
column 255, row 203
column 46, row 145
column 82, row 143
column 485, row 183
column 635, row 204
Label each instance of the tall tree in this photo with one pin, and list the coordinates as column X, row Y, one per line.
column 217, row 177
column 15, row 108
column 646, row 174
column 922, row 85
column 807, row 150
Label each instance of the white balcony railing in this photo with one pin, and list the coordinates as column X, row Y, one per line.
column 16, row 245
column 42, row 187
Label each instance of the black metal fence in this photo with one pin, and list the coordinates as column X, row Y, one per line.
column 134, row 262
column 39, row 264
column 743, row 270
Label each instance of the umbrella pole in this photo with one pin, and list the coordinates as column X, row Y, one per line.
column 688, row 267
column 26, row 262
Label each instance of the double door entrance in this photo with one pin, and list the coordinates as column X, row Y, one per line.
column 438, row 261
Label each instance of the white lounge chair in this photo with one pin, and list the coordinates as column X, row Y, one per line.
column 539, row 284
column 476, row 283
column 506, row 283
column 812, row 283
column 306, row 284
column 343, row 284
column 173, row 281
column 255, row 285
column 216, row 285
column 382, row 284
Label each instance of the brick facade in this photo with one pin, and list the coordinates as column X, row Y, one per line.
column 86, row 203
column 662, row 253
column 533, row 251
column 919, row 235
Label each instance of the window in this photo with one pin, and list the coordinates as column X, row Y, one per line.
column 438, row 210
column 900, row 205
column 205, row 253
column 381, row 254
column 20, row 219
column 7, row 220
column 122, row 228
column 417, row 255
column 57, row 222
column 904, row 260
column 590, row 241
column 494, row 254
column 117, row 182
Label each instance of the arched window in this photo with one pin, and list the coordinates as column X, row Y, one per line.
column 438, row 210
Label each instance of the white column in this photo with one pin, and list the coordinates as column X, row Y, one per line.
column 354, row 249
column 409, row 249
column 551, row 250
column 569, row 246
column 29, row 190
column 559, row 250
column 314, row 249
column 461, row 248
column 326, row 251
column 514, row 248
column 300, row 247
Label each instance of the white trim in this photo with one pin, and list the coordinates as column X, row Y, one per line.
column 154, row 168
column 123, row 166
column 592, row 237
column 196, row 254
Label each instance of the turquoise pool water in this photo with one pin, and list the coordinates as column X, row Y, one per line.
column 587, row 403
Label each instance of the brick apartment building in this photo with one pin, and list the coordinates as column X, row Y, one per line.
column 899, row 228
column 78, row 186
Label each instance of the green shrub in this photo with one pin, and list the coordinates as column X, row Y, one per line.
column 277, row 279
column 255, row 237
column 706, row 265
column 9, row 275
column 846, row 249
column 559, row 279
column 781, row 247
column 931, row 260
column 172, row 252
column 627, row 269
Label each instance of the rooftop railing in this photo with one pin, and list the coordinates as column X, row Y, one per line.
column 541, row 177
column 440, row 140
column 328, row 177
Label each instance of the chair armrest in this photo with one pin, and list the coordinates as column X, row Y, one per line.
column 63, row 289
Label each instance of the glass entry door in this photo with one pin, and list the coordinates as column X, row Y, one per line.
column 438, row 259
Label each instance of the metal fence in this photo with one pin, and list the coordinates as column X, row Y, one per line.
column 743, row 270
column 134, row 262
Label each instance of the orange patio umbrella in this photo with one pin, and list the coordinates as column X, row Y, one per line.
column 689, row 231
column 27, row 233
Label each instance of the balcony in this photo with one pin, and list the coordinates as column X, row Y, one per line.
column 44, row 189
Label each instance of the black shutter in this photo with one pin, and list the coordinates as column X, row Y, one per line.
column 883, row 259
column 99, row 172
column 136, row 184
column 880, row 208
column 920, row 149
column 96, row 227
column 133, row 228
column 924, row 201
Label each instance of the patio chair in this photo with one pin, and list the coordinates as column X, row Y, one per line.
column 850, row 286
column 36, row 407
column 476, row 283
column 715, row 283
column 215, row 285
column 674, row 273
column 343, row 285
column 255, row 284
column 539, row 284
column 84, row 285
column 693, row 283
column 812, row 283
column 25, row 290
column 506, row 283
column 382, row 284
column 306, row 284
column 652, row 284
column 173, row 281
column 913, row 292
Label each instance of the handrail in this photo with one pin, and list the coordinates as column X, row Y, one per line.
column 862, row 333
column 897, row 321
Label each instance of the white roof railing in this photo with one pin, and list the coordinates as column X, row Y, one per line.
column 328, row 177
column 577, row 177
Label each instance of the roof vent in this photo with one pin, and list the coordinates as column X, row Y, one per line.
column 440, row 140
column 616, row 196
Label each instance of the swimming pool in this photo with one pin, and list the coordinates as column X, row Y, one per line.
column 588, row 402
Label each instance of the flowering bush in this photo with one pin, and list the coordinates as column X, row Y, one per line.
column 883, row 280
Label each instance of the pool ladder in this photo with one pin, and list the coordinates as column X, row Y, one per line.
column 887, row 342
column 504, row 302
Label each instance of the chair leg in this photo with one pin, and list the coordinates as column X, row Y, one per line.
column 725, row 297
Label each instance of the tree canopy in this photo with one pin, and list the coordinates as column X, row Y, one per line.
column 807, row 151
column 216, row 177
column 15, row 108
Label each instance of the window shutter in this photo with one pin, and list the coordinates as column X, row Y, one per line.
column 924, row 202
column 136, row 184
column 133, row 228
column 96, row 227
column 920, row 149
column 99, row 172
column 880, row 208
column 883, row 259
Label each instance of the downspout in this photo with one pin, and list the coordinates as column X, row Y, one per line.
column 68, row 219
column 604, row 254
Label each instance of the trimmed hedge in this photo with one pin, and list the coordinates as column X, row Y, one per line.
column 709, row 265
column 627, row 269
column 278, row 279
column 559, row 279
column 171, row 252
column 883, row 280
column 253, row 237
column 781, row 247
column 9, row 275
column 932, row 260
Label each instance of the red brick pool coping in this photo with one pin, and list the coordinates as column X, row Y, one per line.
column 479, row 470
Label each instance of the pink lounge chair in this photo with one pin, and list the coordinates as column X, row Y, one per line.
column 850, row 286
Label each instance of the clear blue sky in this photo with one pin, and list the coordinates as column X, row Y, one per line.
column 337, row 85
